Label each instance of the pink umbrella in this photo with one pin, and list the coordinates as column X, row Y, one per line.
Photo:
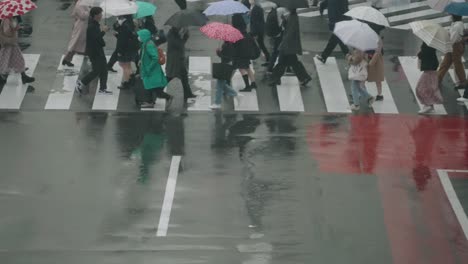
column 220, row 31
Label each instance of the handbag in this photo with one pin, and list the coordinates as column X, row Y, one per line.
column 161, row 57
column 358, row 72
column 222, row 71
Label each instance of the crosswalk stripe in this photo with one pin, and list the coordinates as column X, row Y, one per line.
column 62, row 95
column 455, row 80
column 438, row 20
column 14, row 90
column 200, row 70
column 410, row 67
column 412, row 15
column 325, row 12
column 334, row 92
column 109, row 101
column 249, row 102
column 289, row 95
column 387, row 106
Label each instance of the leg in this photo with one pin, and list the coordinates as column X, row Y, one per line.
column 112, row 60
column 444, row 67
column 275, row 53
column 251, row 75
column 355, row 90
column 93, row 73
column 299, row 69
column 280, row 68
column 332, row 42
column 245, row 77
column 186, row 85
column 379, row 88
column 68, row 58
column 260, row 38
column 161, row 94
column 219, row 91
column 458, row 50
column 102, row 69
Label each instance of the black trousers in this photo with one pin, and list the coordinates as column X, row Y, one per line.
column 99, row 68
column 260, row 39
column 274, row 55
column 286, row 60
column 332, row 42
column 183, row 76
column 112, row 60
column 155, row 93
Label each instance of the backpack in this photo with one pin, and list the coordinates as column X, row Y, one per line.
column 272, row 27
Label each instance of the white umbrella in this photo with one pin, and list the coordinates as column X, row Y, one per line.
column 357, row 35
column 441, row 4
column 91, row 2
column 119, row 8
column 433, row 35
column 226, row 7
column 368, row 14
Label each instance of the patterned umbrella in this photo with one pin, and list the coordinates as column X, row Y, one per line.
column 433, row 35
column 225, row 8
column 222, row 31
column 11, row 8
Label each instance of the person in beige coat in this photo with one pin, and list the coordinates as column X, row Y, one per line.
column 77, row 42
column 376, row 70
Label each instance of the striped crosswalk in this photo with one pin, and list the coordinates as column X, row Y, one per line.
column 289, row 96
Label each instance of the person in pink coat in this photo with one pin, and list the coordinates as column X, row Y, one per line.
column 77, row 42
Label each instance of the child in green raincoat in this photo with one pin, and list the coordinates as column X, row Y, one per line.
column 151, row 71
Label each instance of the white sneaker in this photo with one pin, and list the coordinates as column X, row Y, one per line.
column 354, row 107
column 462, row 100
column 215, row 106
column 426, row 109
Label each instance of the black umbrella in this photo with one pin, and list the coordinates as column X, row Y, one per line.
column 185, row 18
column 292, row 4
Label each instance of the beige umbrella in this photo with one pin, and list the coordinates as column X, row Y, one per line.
column 433, row 35
column 441, row 4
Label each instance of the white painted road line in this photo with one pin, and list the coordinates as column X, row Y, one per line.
column 200, row 71
column 387, row 106
column 410, row 67
column 316, row 13
column 62, row 95
column 168, row 197
column 334, row 92
column 289, row 95
column 248, row 102
column 109, row 101
column 14, row 90
column 454, row 201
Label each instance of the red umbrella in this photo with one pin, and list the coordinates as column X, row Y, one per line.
column 222, row 31
column 11, row 8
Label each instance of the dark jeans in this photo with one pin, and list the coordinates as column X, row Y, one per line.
column 260, row 39
column 332, row 42
column 155, row 93
column 286, row 60
column 99, row 68
column 274, row 55
column 183, row 76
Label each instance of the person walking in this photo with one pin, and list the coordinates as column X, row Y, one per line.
column 77, row 42
column 114, row 57
column 357, row 74
column 289, row 48
column 95, row 50
column 11, row 58
column 151, row 71
column 427, row 89
column 242, row 52
column 274, row 28
column 376, row 63
column 257, row 27
column 336, row 11
column 455, row 57
column 176, row 65
column 127, row 48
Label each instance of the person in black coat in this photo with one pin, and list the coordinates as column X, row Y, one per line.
column 289, row 48
column 257, row 27
column 182, row 4
column 241, row 58
column 336, row 11
column 127, row 47
column 95, row 50
column 176, row 63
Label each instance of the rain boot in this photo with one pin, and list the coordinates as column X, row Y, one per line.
column 26, row 79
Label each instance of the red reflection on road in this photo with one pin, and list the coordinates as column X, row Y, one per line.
column 404, row 152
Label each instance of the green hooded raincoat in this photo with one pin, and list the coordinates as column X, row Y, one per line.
column 150, row 70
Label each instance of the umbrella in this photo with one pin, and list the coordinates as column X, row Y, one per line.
column 292, row 4
column 441, row 4
column 185, row 18
column 11, row 8
column 369, row 14
column 226, row 7
column 145, row 9
column 433, row 35
column 91, row 2
column 119, row 8
column 357, row 35
column 459, row 9
column 222, row 31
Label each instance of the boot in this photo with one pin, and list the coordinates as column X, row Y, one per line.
column 124, row 85
column 26, row 79
column 247, row 88
column 67, row 63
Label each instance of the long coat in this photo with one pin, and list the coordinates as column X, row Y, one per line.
column 150, row 70
column 291, row 44
column 78, row 38
column 176, row 62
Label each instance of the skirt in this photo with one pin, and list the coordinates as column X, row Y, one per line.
column 427, row 90
column 11, row 60
column 241, row 63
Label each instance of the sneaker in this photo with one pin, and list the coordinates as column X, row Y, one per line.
column 318, row 57
column 354, row 107
column 306, row 81
column 102, row 91
column 371, row 100
column 147, row 105
column 79, row 87
column 426, row 109
column 215, row 106
column 379, row 98
column 462, row 99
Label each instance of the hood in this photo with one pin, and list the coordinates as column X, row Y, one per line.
column 144, row 35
